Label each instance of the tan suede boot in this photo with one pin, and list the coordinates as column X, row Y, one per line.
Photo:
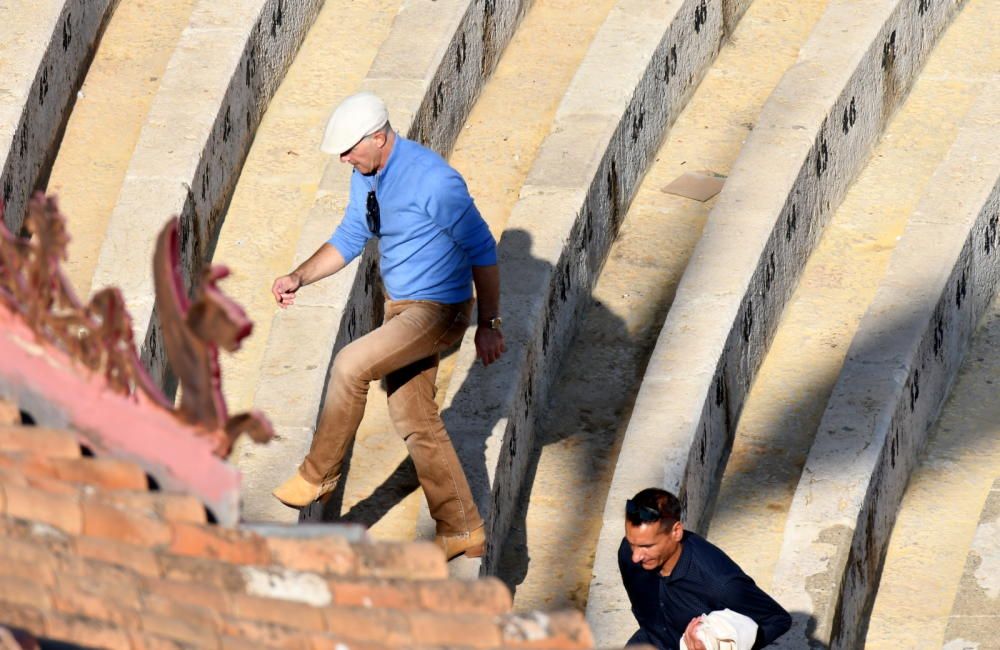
column 472, row 544
column 297, row 492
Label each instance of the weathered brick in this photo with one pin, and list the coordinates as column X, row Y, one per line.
column 330, row 555
column 372, row 625
column 142, row 561
column 23, row 591
column 566, row 630
column 104, row 473
column 110, row 522
column 209, row 573
column 237, row 643
column 284, row 612
column 413, row 560
column 72, row 600
column 23, row 617
column 215, row 542
column 53, row 443
column 168, row 507
column 95, row 634
column 471, row 630
column 267, row 634
column 29, row 560
column 486, row 596
column 31, row 504
column 143, row 641
column 210, row 598
column 182, row 629
column 114, row 583
column 383, row 594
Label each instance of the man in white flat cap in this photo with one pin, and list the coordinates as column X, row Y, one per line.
column 433, row 247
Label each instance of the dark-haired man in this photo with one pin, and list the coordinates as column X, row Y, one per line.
column 673, row 576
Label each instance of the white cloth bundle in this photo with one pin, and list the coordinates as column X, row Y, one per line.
column 725, row 629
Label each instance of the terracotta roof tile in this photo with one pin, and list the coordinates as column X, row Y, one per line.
column 141, row 561
column 9, row 414
column 30, row 503
column 96, row 634
column 107, row 521
column 51, row 443
column 329, row 555
column 232, row 546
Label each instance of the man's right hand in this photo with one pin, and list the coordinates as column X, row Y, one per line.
column 284, row 289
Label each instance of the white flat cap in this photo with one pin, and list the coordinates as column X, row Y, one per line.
column 357, row 116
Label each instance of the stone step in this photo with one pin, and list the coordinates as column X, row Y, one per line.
column 45, row 46
column 606, row 130
column 813, row 135
column 275, row 191
column 494, row 151
column 839, row 281
column 225, row 67
column 582, row 425
column 103, row 129
column 901, row 363
column 429, row 70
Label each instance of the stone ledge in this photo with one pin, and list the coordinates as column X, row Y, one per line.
column 45, row 51
column 428, row 100
column 224, row 71
column 811, row 138
column 899, row 369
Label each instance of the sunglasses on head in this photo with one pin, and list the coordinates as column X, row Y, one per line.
column 372, row 214
column 643, row 514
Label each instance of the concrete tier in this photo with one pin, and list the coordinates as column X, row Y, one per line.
column 642, row 67
column 107, row 118
column 976, row 612
column 225, row 68
column 897, row 374
column 581, row 427
column 429, row 83
column 45, row 46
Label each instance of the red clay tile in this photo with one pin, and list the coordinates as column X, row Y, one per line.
column 383, row 594
column 283, row 612
column 330, row 555
column 485, row 596
column 140, row 560
column 412, row 560
column 168, row 507
column 237, row 643
column 94, row 634
column 143, row 641
column 233, row 546
column 179, row 629
column 105, row 473
column 113, row 583
column 109, row 522
column 470, row 630
column 52, row 443
column 59, row 511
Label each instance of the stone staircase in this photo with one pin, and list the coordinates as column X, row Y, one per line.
column 706, row 347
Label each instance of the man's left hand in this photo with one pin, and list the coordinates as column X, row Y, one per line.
column 691, row 639
column 489, row 344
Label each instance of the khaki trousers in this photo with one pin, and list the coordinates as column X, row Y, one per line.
column 405, row 350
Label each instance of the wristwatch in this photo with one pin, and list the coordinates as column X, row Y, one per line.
column 491, row 323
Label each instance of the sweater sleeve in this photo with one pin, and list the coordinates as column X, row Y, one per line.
column 352, row 233
column 742, row 595
column 453, row 210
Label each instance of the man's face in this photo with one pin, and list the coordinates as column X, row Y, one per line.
column 366, row 155
column 651, row 546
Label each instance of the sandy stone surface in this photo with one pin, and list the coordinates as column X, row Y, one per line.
column 550, row 552
column 104, row 126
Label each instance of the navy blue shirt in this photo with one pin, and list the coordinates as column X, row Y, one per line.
column 704, row 580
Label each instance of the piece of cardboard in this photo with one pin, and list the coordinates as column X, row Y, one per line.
column 700, row 186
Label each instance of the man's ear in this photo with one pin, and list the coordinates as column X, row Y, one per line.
column 677, row 531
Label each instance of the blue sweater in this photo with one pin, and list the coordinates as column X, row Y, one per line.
column 705, row 579
column 431, row 233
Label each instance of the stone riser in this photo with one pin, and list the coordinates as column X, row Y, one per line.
column 43, row 83
column 811, row 139
column 899, row 370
